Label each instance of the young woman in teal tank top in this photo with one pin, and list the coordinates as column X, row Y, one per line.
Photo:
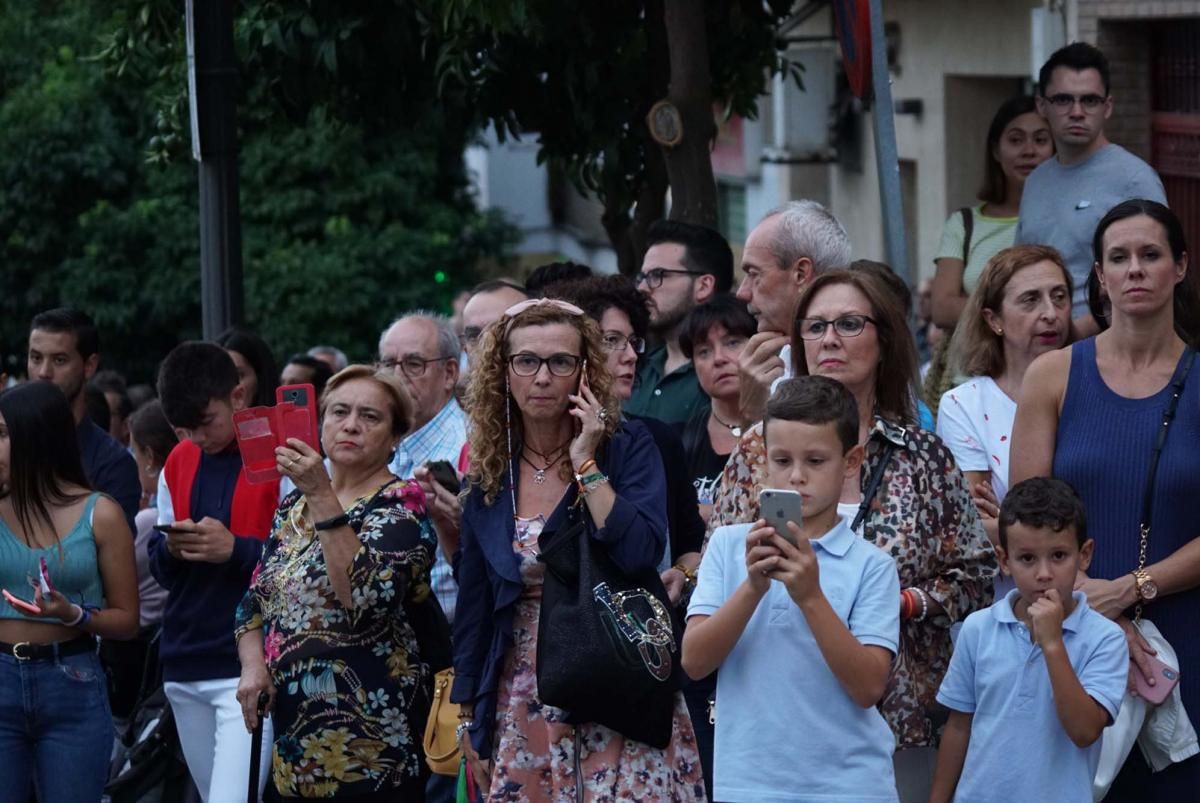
column 56, row 730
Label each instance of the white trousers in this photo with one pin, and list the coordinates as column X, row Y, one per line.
column 215, row 743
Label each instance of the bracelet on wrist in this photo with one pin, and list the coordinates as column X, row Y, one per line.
column 689, row 575
column 464, row 725
column 333, row 523
column 79, row 620
column 589, row 463
column 924, row 605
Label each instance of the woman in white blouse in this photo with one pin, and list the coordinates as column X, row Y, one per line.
column 1021, row 308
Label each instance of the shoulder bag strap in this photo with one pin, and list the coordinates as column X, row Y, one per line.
column 873, row 484
column 1160, row 441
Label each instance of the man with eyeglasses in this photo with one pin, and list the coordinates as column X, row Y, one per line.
column 1066, row 196
column 684, row 266
column 485, row 306
column 422, row 349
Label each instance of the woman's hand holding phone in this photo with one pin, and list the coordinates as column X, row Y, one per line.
column 591, row 421
column 45, row 606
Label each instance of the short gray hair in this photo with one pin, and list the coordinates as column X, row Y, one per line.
column 339, row 356
column 808, row 229
column 448, row 343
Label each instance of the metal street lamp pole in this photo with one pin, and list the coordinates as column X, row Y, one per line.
column 212, row 88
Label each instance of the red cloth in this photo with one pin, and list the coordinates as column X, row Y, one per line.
column 253, row 508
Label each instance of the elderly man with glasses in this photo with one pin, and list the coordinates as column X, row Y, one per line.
column 685, row 265
column 422, row 349
column 1066, row 196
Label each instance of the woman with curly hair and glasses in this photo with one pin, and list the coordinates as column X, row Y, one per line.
column 545, row 434
column 909, row 500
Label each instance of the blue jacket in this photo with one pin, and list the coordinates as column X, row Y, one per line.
column 489, row 574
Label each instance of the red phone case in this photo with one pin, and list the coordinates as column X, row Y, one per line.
column 1165, row 678
column 261, row 429
column 300, row 419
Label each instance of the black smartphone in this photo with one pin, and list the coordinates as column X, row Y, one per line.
column 444, row 475
column 170, row 529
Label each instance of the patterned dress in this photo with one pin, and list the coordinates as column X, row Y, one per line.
column 539, row 757
column 923, row 516
column 353, row 691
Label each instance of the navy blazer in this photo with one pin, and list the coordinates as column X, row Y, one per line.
column 489, row 574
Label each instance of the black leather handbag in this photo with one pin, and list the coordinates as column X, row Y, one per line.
column 607, row 646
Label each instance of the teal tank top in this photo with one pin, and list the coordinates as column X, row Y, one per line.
column 74, row 571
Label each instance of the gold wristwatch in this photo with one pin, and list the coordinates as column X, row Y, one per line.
column 1147, row 589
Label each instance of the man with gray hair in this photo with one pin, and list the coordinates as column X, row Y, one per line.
column 335, row 358
column 790, row 245
column 422, row 348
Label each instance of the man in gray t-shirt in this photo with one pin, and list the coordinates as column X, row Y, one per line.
column 1065, row 197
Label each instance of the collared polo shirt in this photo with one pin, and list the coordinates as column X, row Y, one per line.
column 441, row 438
column 786, row 728
column 673, row 397
column 1019, row 749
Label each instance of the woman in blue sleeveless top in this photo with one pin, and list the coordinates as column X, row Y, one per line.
column 56, row 730
column 1091, row 415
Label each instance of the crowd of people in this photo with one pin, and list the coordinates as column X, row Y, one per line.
column 822, row 578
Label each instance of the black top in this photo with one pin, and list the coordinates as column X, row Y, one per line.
column 704, row 466
column 110, row 468
column 684, row 524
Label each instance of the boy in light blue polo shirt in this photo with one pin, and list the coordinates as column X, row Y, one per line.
column 1036, row 677
column 803, row 628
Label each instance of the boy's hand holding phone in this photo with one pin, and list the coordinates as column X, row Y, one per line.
column 797, row 567
column 204, row 541
column 761, row 556
column 1046, row 616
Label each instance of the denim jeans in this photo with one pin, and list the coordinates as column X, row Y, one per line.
column 56, row 730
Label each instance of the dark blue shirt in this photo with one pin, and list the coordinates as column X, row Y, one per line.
column 110, row 468
column 197, row 637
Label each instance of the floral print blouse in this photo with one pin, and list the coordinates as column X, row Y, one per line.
column 352, row 689
column 923, row 516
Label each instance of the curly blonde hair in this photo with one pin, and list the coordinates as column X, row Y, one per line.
column 486, row 396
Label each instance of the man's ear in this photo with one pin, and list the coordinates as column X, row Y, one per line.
column 1085, row 554
column 802, row 271
column 90, row 365
column 1002, row 559
column 704, row 288
column 451, row 374
column 1043, row 106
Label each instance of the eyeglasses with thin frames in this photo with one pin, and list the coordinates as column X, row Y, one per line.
column 845, row 326
column 615, row 341
column 654, row 277
column 411, row 366
column 528, row 364
column 1063, row 102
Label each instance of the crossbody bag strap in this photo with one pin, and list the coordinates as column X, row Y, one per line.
column 968, row 217
column 1160, row 441
column 873, row 485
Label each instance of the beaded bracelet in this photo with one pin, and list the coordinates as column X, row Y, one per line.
column 924, row 605
column 586, row 484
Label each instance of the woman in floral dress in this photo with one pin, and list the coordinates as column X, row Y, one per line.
column 339, row 627
column 544, row 418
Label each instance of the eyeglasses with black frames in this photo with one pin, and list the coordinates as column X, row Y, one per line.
column 528, row 364
column 845, row 326
column 654, row 277
column 411, row 366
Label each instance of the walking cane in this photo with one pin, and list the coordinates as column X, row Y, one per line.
column 256, row 749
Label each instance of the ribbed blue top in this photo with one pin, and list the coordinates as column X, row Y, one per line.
column 73, row 568
column 1103, row 449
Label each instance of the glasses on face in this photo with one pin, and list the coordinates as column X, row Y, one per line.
column 654, row 277
column 1063, row 102
column 527, row 364
column 615, row 341
column 411, row 366
column 471, row 335
column 845, row 326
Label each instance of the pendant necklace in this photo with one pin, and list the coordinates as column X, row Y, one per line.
column 734, row 429
column 554, row 458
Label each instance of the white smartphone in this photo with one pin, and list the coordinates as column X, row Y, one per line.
column 778, row 507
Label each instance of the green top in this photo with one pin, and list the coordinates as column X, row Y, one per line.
column 669, row 398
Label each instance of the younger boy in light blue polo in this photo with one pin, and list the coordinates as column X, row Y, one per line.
column 804, row 634
column 1036, row 677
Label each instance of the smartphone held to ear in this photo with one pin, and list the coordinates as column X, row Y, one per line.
column 778, row 507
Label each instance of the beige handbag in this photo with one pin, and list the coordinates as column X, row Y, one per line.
column 443, row 753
